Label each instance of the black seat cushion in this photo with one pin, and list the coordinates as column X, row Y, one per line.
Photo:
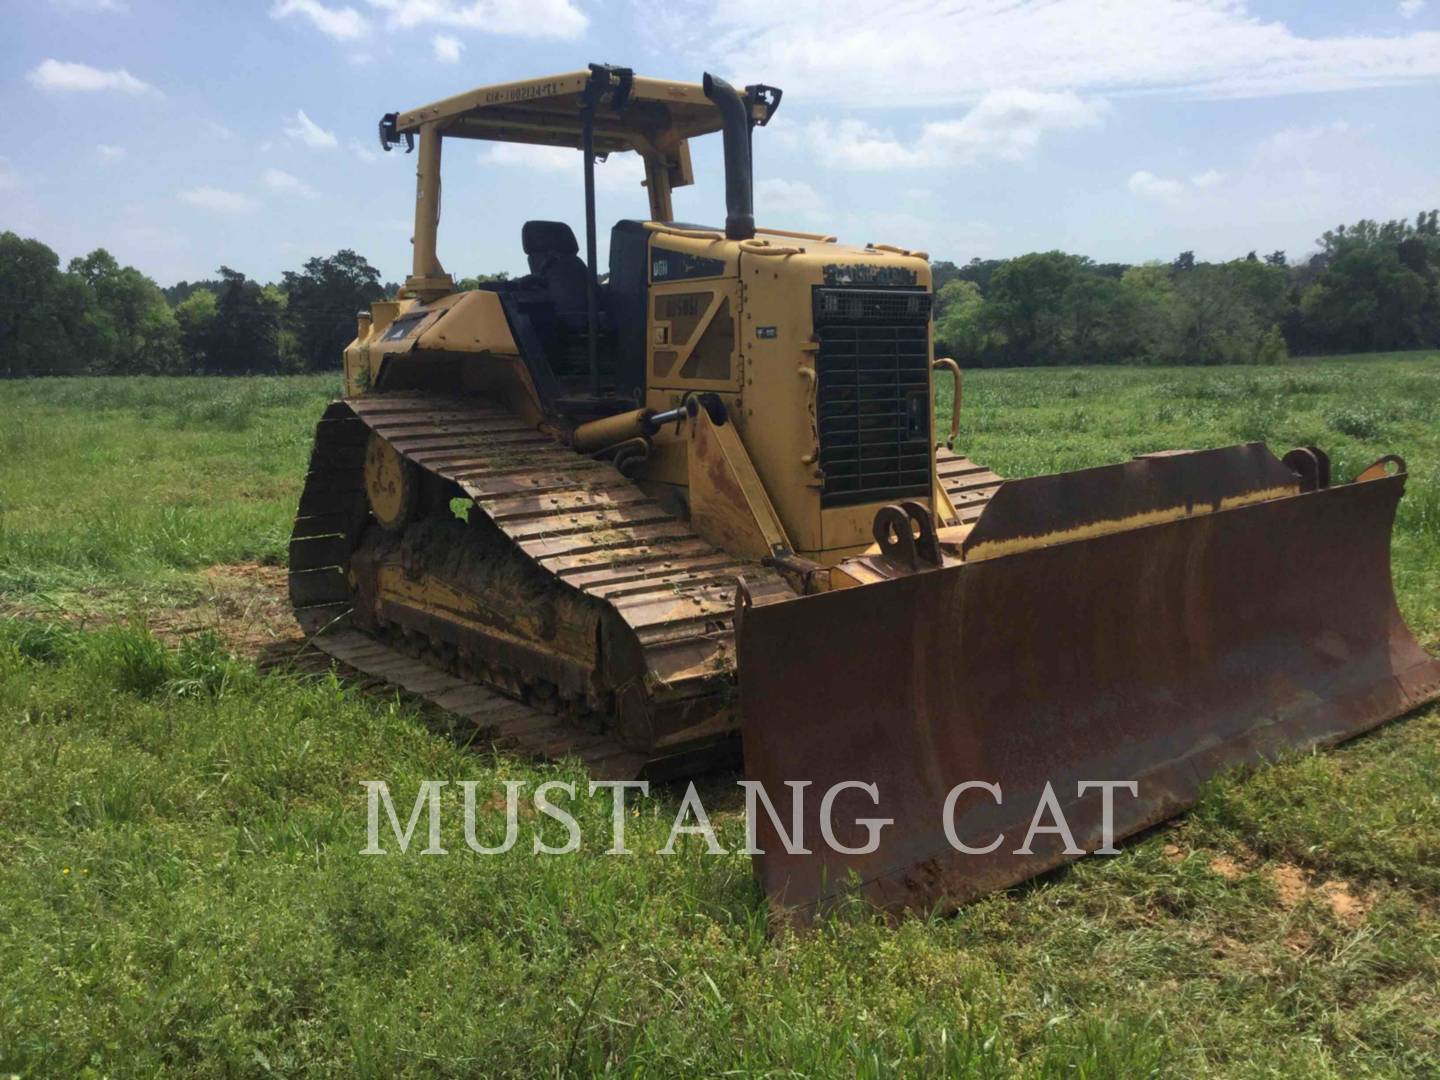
column 553, row 255
column 548, row 237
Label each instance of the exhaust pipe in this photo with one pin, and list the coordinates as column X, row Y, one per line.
column 739, row 197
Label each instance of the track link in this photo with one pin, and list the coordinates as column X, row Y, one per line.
column 970, row 486
column 580, row 521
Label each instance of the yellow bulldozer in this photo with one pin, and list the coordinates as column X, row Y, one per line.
column 696, row 507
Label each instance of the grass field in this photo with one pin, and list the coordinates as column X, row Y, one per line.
column 181, row 888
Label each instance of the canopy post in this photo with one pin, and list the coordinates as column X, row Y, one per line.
column 657, row 186
column 427, row 277
column 592, row 320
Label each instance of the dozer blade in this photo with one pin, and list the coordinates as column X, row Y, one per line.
column 1136, row 643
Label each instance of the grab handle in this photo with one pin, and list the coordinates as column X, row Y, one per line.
column 946, row 364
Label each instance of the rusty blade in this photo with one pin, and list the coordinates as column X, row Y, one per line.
column 1162, row 654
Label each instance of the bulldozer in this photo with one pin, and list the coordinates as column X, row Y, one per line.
column 693, row 511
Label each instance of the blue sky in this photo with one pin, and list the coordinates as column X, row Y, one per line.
column 181, row 136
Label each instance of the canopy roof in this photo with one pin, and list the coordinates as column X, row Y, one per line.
column 655, row 114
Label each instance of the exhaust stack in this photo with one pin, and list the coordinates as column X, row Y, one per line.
column 739, row 195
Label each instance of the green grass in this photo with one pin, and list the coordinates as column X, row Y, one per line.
column 127, row 483
column 181, row 888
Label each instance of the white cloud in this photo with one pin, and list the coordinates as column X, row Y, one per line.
column 622, row 171
column 91, row 5
column 1004, row 124
column 1150, row 186
column 447, row 48
column 310, row 133
column 217, row 200
column 1145, row 183
column 282, row 183
column 518, row 18
column 1293, row 142
column 551, row 159
column 776, row 198
column 63, row 76
column 949, row 52
column 219, row 130
column 1410, row 8
column 1009, row 124
column 343, row 24
column 110, row 153
column 854, row 144
column 363, row 152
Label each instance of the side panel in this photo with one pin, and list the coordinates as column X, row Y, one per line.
column 778, row 419
column 785, row 410
column 691, row 317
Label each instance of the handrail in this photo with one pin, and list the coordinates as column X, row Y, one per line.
column 893, row 250
column 694, row 234
column 944, row 363
column 764, row 247
column 822, row 237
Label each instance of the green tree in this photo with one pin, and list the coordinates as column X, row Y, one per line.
column 323, row 299
column 1152, row 335
column 42, row 311
column 959, row 322
column 469, row 283
column 1025, row 303
column 245, row 332
column 1373, row 286
column 942, row 272
column 130, row 316
column 1367, row 299
column 980, row 272
column 195, row 316
column 1227, row 312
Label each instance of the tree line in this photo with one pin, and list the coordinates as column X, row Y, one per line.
column 1371, row 286
column 98, row 316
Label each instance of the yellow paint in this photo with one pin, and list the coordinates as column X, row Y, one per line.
column 728, row 504
column 1090, row 530
column 389, row 483
column 474, row 322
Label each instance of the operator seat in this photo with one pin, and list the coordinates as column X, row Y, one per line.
column 554, row 258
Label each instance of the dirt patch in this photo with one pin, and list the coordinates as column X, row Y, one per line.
column 245, row 604
column 1290, row 883
column 1227, row 867
column 1345, row 903
column 1349, row 908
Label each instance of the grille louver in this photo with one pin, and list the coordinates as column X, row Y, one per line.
column 874, row 394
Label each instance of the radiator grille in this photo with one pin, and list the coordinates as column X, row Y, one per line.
column 874, row 394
